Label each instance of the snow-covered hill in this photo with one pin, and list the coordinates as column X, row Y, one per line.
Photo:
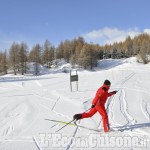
column 24, row 104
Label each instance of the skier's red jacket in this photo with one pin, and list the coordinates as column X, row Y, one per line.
column 99, row 102
column 101, row 95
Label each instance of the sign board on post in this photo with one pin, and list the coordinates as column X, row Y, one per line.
column 73, row 78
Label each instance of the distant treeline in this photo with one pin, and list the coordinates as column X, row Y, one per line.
column 75, row 51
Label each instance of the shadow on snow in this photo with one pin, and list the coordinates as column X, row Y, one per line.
column 131, row 127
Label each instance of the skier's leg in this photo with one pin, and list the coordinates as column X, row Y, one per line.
column 104, row 115
column 85, row 114
column 89, row 114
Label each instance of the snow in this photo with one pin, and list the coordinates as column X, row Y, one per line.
column 25, row 101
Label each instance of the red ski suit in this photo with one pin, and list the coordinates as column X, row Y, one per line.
column 99, row 102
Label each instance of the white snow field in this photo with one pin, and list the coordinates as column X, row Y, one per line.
column 26, row 102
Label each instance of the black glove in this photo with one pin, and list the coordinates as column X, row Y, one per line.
column 77, row 116
column 114, row 92
column 93, row 106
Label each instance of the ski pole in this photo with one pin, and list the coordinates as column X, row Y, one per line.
column 65, row 125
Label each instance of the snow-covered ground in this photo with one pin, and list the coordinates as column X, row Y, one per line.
column 26, row 102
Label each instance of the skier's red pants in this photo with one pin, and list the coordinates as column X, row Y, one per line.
column 103, row 113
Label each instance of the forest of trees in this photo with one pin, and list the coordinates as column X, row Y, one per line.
column 75, row 51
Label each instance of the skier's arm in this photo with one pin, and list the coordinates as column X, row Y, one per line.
column 112, row 93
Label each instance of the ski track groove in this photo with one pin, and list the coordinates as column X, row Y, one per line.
column 145, row 110
column 127, row 78
column 124, row 109
column 134, row 89
column 55, row 104
column 36, row 143
column 110, row 111
column 74, row 134
column 11, row 118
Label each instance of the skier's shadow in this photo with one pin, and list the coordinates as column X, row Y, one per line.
column 131, row 127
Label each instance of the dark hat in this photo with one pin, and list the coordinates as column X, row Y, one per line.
column 107, row 82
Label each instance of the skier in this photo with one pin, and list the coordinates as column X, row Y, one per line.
column 98, row 105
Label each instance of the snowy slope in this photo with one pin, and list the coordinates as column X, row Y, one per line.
column 25, row 103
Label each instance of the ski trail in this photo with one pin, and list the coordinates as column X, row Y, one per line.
column 134, row 89
column 74, row 134
column 110, row 112
column 42, row 96
column 124, row 109
column 55, row 112
column 36, row 143
column 144, row 108
column 55, row 104
column 15, row 116
column 126, row 79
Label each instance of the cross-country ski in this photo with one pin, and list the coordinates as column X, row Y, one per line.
column 74, row 124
